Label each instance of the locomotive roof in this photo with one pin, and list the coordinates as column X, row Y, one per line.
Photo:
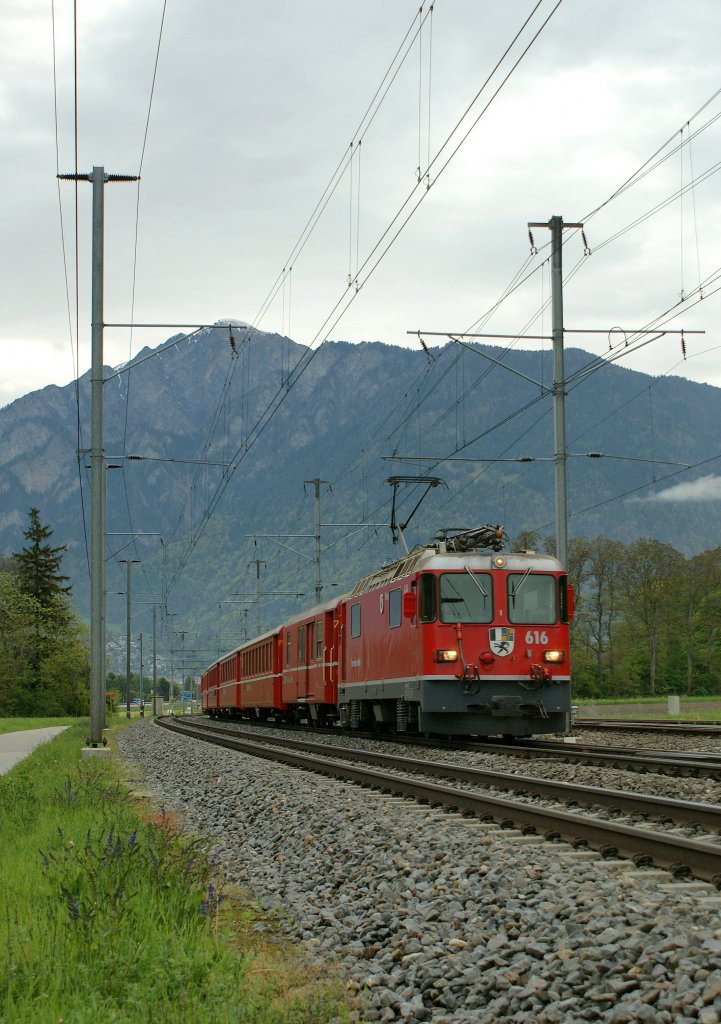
column 433, row 558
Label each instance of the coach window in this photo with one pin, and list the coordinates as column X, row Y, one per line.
column 428, row 597
column 318, row 640
column 355, row 620
column 531, row 598
column 394, row 607
column 288, row 647
column 301, row 645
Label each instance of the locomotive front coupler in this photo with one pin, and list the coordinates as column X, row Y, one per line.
column 470, row 680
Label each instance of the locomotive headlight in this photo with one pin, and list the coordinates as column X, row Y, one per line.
column 443, row 656
column 555, row 657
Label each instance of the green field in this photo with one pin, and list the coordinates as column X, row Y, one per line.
column 692, row 708
column 20, row 724
column 111, row 916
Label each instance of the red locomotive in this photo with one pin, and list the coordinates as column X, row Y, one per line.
column 456, row 637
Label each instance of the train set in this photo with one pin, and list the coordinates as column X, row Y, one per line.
column 455, row 638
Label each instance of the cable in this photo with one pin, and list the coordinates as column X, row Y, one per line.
column 361, row 130
column 306, row 358
column 73, row 352
column 152, row 88
column 135, row 267
column 647, row 167
column 344, row 302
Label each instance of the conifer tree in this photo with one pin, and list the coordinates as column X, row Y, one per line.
column 46, row 663
column 39, row 564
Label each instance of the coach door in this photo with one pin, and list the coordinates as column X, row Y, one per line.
column 304, row 640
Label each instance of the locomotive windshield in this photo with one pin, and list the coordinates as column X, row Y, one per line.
column 466, row 597
column 531, row 598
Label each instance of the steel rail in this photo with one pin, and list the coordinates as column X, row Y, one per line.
column 669, row 762
column 643, row 846
column 705, row 728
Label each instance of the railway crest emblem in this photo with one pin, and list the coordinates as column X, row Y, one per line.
column 501, row 640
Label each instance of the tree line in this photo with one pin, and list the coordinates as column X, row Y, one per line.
column 648, row 619
column 647, row 622
column 117, row 687
column 44, row 655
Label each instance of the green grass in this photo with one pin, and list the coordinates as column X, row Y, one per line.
column 109, row 916
column 19, row 724
column 705, row 708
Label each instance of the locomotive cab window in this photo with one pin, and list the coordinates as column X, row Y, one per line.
column 288, row 647
column 466, row 597
column 531, row 598
column 428, row 597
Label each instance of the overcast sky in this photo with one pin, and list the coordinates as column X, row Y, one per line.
column 256, row 104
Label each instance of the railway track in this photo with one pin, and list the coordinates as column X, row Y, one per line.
column 403, row 776
column 673, row 763
column 700, row 728
column 664, row 762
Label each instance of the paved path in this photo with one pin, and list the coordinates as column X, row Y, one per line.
column 14, row 746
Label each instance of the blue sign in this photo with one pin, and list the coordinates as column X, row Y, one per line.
column 187, row 695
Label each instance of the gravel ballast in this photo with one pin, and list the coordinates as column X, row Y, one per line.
column 435, row 917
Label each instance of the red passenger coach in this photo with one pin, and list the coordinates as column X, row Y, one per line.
column 310, row 661
column 246, row 681
column 209, row 688
column 260, row 674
